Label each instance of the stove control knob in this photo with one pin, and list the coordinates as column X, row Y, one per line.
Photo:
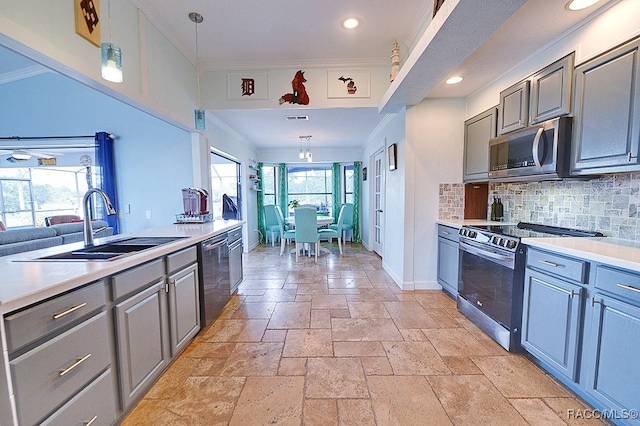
column 511, row 244
column 472, row 234
column 495, row 240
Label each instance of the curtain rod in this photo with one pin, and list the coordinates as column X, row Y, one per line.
column 35, row 138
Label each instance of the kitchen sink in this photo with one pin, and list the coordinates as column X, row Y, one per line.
column 111, row 250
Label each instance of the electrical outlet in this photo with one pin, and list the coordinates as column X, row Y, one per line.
column 148, row 214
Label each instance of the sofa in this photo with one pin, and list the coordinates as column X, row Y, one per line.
column 20, row 240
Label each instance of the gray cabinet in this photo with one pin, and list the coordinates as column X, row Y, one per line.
column 551, row 320
column 540, row 97
column 477, row 132
column 553, row 309
column 551, row 91
column 448, row 259
column 142, row 341
column 606, row 125
column 184, row 306
column 613, row 372
column 513, row 111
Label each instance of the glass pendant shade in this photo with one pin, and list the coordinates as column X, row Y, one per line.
column 200, row 119
column 301, row 155
column 111, row 63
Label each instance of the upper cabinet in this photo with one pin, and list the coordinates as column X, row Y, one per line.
column 513, row 111
column 607, row 120
column 540, row 97
column 551, row 91
column 477, row 132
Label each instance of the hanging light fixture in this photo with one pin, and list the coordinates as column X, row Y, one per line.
column 306, row 154
column 199, row 115
column 111, row 56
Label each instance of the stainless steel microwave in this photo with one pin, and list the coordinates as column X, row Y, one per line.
column 539, row 152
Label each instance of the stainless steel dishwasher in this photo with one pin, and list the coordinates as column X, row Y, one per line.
column 215, row 284
column 234, row 240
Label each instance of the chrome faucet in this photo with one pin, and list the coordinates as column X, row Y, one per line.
column 88, row 232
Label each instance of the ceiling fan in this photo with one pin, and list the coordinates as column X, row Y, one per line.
column 18, row 155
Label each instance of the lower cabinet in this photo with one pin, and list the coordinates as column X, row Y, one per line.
column 448, row 259
column 142, row 339
column 551, row 321
column 613, row 371
column 184, row 308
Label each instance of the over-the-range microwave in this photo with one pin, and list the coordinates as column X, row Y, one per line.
column 538, row 152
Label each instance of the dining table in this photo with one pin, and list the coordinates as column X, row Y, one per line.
column 323, row 221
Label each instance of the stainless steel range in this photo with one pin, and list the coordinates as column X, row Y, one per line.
column 491, row 276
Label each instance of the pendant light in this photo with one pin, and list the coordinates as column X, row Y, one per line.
column 199, row 114
column 111, row 56
column 306, row 154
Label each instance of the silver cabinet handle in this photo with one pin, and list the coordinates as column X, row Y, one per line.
column 630, row 156
column 68, row 311
column 445, row 232
column 594, row 301
column 90, row 422
column 555, row 265
column 628, row 287
column 74, row 365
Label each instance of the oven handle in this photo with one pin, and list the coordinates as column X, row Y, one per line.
column 209, row 246
column 484, row 254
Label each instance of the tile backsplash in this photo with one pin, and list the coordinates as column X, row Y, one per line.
column 608, row 204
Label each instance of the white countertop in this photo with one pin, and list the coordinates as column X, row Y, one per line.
column 459, row 223
column 24, row 283
column 620, row 253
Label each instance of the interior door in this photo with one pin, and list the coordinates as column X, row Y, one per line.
column 378, row 202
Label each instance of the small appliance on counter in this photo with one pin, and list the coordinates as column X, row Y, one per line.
column 195, row 206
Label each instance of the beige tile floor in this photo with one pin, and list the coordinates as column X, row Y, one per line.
column 338, row 343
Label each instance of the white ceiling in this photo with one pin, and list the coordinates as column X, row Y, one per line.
column 258, row 34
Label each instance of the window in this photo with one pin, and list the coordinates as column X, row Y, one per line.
column 347, row 184
column 310, row 185
column 225, row 180
column 269, row 184
column 29, row 194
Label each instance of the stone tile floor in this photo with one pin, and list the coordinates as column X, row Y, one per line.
column 338, row 343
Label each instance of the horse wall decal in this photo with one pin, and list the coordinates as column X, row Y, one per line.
column 299, row 95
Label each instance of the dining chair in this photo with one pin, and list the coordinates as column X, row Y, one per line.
column 306, row 231
column 345, row 221
column 330, row 233
column 286, row 234
column 271, row 223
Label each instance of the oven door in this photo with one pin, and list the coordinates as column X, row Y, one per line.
column 486, row 279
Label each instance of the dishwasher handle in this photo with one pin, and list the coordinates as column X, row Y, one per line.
column 235, row 245
column 212, row 245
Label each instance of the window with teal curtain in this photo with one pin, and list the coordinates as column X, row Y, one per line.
column 335, row 179
column 283, row 197
column 356, row 201
column 260, row 202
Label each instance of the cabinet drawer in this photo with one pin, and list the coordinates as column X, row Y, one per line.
column 50, row 374
column 565, row 267
column 180, row 259
column 95, row 404
column 137, row 278
column 623, row 283
column 448, row 232
column 30, row 324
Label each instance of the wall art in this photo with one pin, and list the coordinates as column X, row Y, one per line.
column 87, row 20
column 299, row 91
column 247, row 86
column 348, row 84
column 393, row 161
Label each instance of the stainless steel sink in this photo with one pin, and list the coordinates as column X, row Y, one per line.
column 111, row 250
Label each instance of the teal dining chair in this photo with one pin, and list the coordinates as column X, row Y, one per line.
column 306, row 231
column 286, row 234
column 345, row 221
column 271, row 223
column 330, row 233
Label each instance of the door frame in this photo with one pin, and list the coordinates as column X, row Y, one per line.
column 379, row 155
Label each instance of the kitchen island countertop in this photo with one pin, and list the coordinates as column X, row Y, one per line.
column 25, row 282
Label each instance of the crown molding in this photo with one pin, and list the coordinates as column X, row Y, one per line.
column 23, row 73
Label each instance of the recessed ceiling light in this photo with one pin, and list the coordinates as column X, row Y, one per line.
column 580, row 4
column 350, row 23
column 454, row 80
